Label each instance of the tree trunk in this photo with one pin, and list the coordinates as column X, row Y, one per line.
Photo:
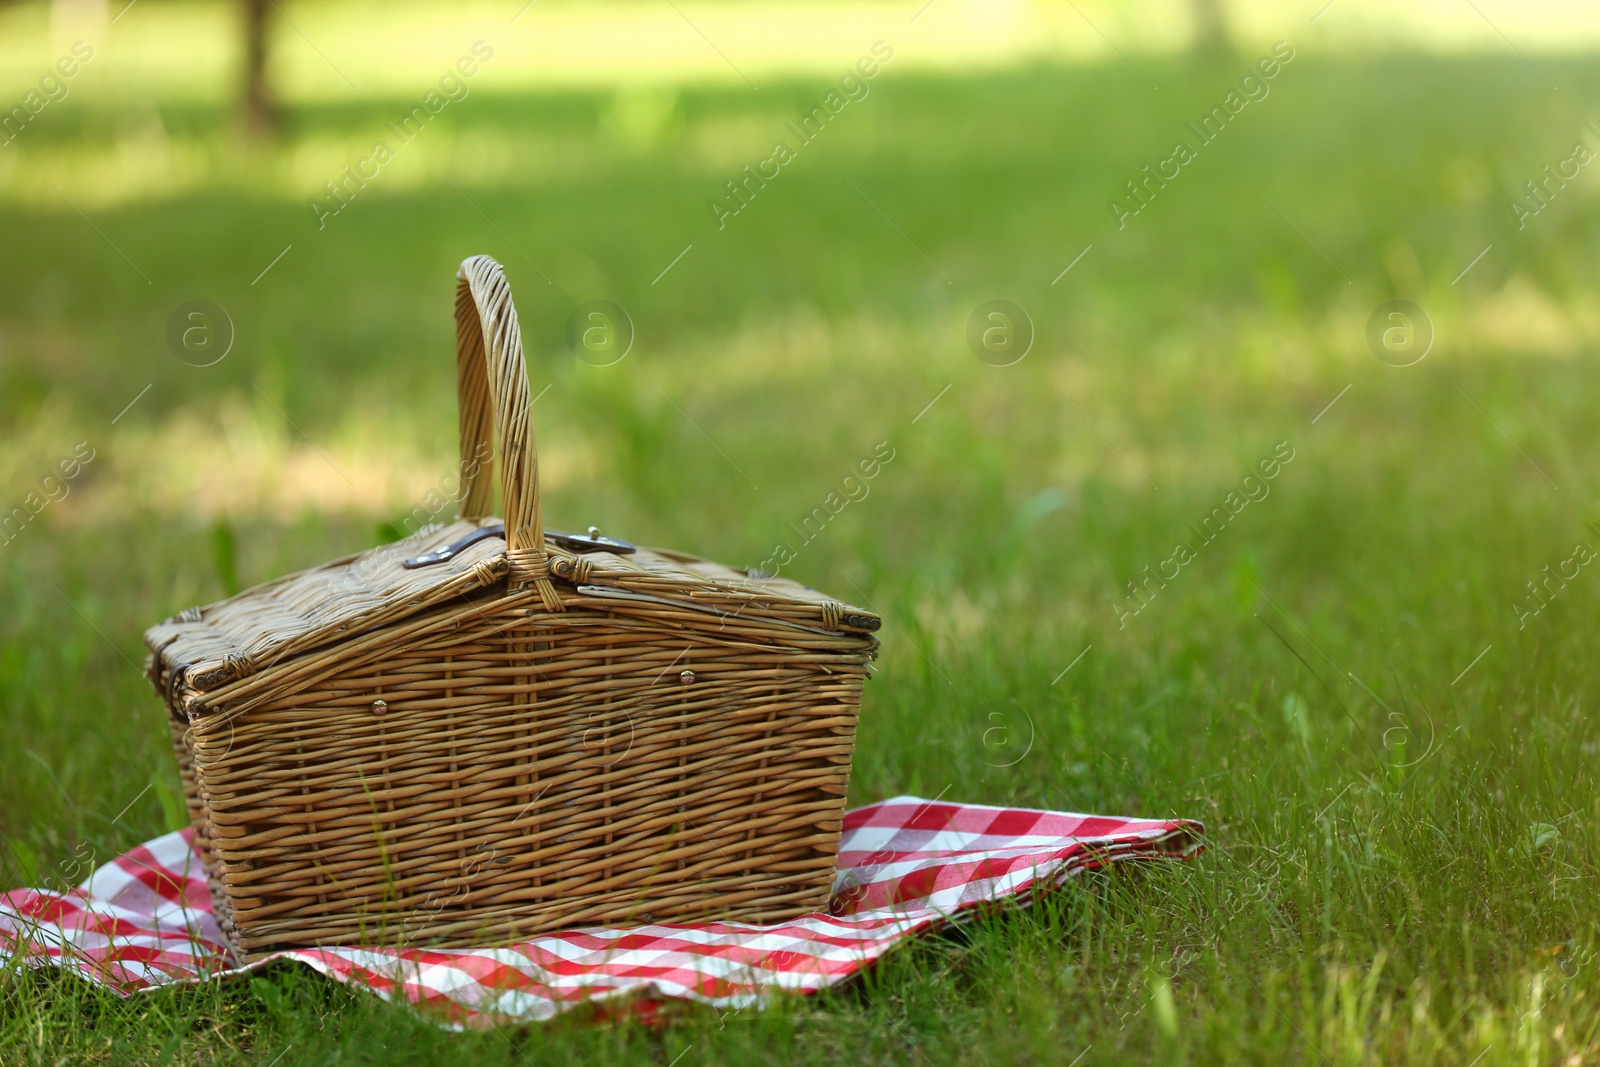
column 1210, row 27
column 260, row 112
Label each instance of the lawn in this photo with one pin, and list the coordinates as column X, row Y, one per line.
column 1368, row 677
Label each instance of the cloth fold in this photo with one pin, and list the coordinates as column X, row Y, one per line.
column 906, row 866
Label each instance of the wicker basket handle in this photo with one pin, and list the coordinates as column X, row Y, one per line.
column 492, row 386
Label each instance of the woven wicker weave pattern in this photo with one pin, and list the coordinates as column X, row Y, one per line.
column 515, row 739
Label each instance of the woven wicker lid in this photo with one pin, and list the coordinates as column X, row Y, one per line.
column 204, row 648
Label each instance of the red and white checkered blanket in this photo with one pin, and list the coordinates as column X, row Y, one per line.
column 906, row 866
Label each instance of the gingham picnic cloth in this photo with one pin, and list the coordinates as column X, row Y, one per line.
column 906, row 866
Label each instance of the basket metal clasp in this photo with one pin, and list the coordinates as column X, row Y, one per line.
column 589, row 542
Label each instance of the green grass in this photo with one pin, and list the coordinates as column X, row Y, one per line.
column 1403, row 857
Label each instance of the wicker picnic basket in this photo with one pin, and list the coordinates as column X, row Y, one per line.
column 489, row 730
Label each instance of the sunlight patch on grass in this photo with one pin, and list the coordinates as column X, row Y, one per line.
column 238, row 459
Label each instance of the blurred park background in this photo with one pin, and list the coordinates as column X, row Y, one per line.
column 1373, row 684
